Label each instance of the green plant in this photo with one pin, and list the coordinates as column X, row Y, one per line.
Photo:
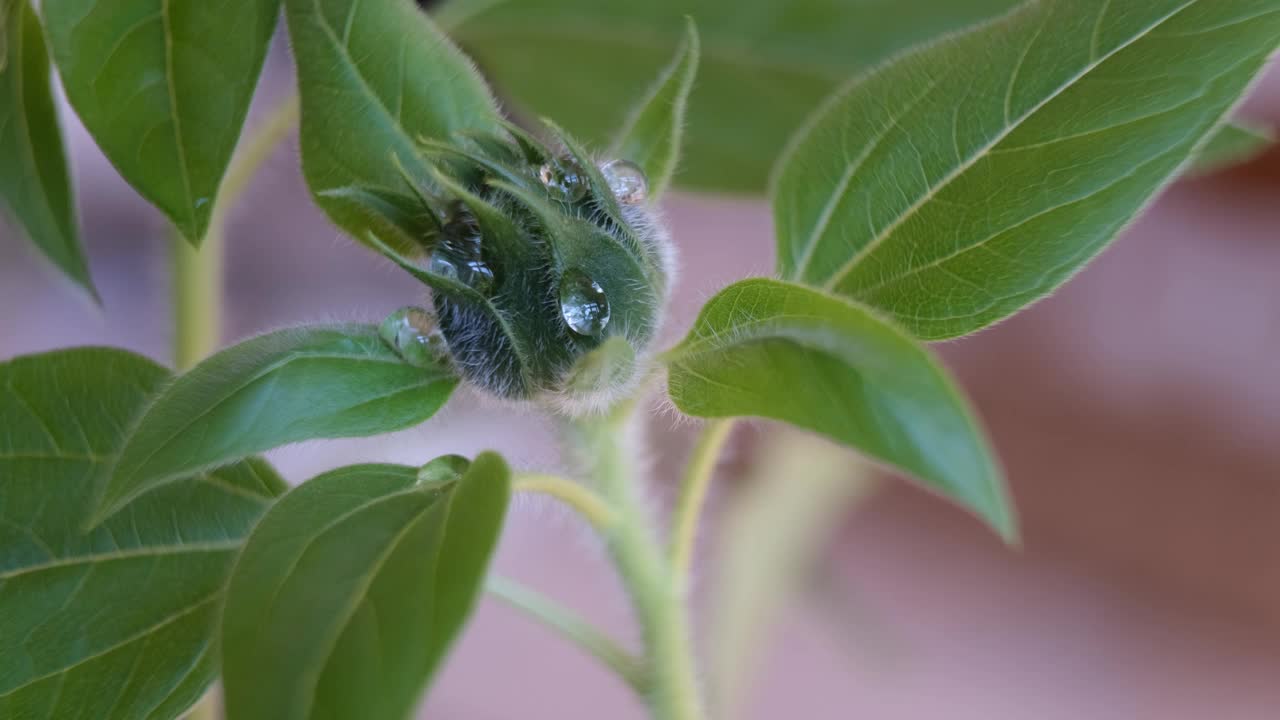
column 145, row 547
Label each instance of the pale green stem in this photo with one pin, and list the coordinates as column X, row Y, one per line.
column 197, row 297
column 587, row 503
column 693, row 496
column 197, row 274
column 571, row 626
column 206, row 709
column 601, row 448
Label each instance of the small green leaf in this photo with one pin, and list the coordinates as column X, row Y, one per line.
column 117, row 622
column 279, row 388
column 398, row 221
column 353, row 587
column 34, row 182
column 163, row 87
column 772, row 349
column 765, row 65
column 1231, row 145
column 950, row 193
column 651, row 137
column 374, row 77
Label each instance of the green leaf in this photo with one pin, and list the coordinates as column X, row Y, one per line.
column 1231, row 145
column 353, row 587
column 772, row 349
column 117, row 622
column 283, row 387
column 765, row 64
column 163, row 87
column 375, row 76
column 950, row 193
column 652, row 135
column 34, row 182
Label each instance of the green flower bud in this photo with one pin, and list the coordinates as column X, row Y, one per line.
column 549, row 272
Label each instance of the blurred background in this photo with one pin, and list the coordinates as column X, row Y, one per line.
column 1137, row 413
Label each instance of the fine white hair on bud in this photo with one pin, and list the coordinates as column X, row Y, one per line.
column 549, row 270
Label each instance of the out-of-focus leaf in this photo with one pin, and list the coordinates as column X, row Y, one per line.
column 163, row 86
column 950, row 193
column 776, row 528
column 34, row 183
column 766, row 64
column 353, row 587
column 117, row 621
column 1232, row 144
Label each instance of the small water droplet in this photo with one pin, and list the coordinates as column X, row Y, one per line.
column 627, row 181
column 583, row 304
column 412, row 333
column 473, row 272
column 564, row 179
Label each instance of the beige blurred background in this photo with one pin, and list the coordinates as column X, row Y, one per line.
column 1137, row 413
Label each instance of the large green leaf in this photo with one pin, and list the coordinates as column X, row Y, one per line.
column 772, row 349
column 34, row 183
column 653, row 134
column 950, row 192
column 119, row 621
column 163, row 86
column 375, row 76
column 765, row 64
column 279, row 388
column 354, row 586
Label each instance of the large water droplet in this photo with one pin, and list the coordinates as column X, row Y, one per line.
column 412, row 333
column 583, row 304
column 564, row 179
column 627, row 181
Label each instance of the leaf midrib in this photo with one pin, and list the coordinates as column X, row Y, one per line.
column 932, row 191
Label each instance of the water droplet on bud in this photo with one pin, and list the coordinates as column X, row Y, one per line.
column 564, row 179
column 583, row 304
column 412, row 333
column 627, row 181
column 473, row 273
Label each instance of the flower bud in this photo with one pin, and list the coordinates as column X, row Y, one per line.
column 549, row 273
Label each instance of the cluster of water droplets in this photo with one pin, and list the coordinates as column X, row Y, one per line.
column 584, row 305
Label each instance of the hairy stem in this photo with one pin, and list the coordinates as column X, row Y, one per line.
column 584, row 501
column 693, row 496
column 567, row 623
column 602, row 447
column 197, row 273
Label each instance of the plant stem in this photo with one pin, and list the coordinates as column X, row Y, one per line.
column 197, row 273
column 602, row 447
column 567, row 623
column 693, row 496
column 587, row 504
column 197, row 295
column 206, row 709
